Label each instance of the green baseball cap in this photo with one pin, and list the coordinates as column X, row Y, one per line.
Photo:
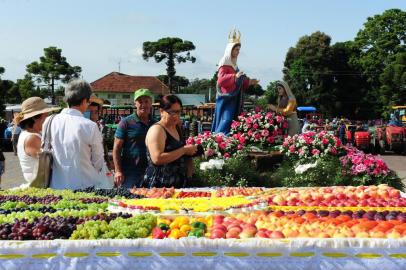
column 143, row 92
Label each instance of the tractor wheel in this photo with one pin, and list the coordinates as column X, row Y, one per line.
column 381, row 147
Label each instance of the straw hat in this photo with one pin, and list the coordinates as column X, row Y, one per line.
column 31, row 107
column 94, row 99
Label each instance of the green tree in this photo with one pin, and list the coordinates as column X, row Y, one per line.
column 178, row 82
column 170, row 49
column 393, row 81
column 380, row 42
column 308, row 73
column 255, row 90
column 270, row 93
column 53, row 67
column 350, row 87
column 23, row 89
column 199, row 86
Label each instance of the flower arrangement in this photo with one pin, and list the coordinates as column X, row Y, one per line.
column 259, row 127
column 217, row 145
column 358, row 163
column 311, row 145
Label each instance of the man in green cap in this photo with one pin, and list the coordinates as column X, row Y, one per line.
column 129, row 151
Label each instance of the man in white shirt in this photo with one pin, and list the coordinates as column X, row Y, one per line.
column 76, row 142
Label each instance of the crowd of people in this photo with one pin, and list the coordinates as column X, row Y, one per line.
column 146, row 153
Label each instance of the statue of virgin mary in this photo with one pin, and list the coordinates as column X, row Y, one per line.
column 230, row 85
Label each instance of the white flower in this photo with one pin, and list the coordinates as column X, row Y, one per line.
column 304, row 167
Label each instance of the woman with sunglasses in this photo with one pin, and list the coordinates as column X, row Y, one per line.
column 167, row 153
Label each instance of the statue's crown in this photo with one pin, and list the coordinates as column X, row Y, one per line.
column 234, row 36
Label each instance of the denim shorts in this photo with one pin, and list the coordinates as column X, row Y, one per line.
column 1, row 168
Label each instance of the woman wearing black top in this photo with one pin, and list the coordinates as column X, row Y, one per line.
column 166, row 150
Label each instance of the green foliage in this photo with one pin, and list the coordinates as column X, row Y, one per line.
column 328, row 172
column 179, row 82
column 255, row 90
column 236, row 171
column 308, row 72
column 270, row 93
column 199, row 86
column 381, row 43
column 53, row 67
column 171, row 49
column 393, row 80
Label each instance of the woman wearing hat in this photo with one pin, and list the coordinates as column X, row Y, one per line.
column 33, row 113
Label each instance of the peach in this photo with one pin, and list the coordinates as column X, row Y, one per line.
column 362, row 235
column 262, row 234
column 219, row 227
column 235, row 229
column 393, row 234
column 250, row 230
column 276, row 235
column 245, row 234
column 216, row 233
column 232, row 234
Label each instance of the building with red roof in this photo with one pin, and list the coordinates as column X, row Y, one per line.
column 118, row 88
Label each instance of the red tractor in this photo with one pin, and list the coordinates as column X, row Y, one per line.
column 358, row 136
column 392, row 137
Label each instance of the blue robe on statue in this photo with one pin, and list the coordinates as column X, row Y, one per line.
column 228, row 107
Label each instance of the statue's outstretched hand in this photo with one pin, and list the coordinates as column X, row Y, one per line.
column 253, row 82
column 239, row 74
column 272, row 107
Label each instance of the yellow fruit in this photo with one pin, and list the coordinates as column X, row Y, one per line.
column 174, row 225
column 182, row 220
column 163, row 220
column 186, row 228
column 176, row 234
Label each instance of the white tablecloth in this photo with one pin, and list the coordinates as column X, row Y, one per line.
column 191, row 253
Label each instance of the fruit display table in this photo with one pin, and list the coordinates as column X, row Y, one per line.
column 211, row 228
column 188, row 253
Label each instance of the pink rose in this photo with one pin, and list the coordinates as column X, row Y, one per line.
column 279, row 118
column 257, row 136
column 239, row 147
column 190, row 140
column 242, row 139
column 235, row 124
column 324, row 141
column 198, row 141
column 271, row 139
column 226, row 155
column 222, row 145
column 219, row 138
column 292, row 148
column 265, row 133
column 360, row 168
column 209, row 152
column 315, row 152
column 333, row 151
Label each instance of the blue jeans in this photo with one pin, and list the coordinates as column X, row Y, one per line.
column 133, row 177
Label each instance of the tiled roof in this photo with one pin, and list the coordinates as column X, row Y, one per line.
column 119, row 82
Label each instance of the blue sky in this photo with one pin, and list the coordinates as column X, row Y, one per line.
column 98, row 34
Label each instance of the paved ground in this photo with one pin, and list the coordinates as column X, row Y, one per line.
column 13, row 176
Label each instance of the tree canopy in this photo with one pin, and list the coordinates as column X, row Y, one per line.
column 171, row 49
column 51, row 68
